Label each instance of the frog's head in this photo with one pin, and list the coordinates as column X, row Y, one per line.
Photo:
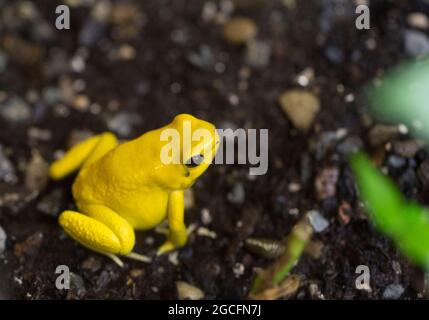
column 188, row 147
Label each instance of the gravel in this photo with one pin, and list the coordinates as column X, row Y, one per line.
column 237, row 195
column 301, row 107
column 416, row 43
column 186, row 291
column 15, row 110
column 317, row 221
column 393, row 291
column 3, row 238
column 7, row 170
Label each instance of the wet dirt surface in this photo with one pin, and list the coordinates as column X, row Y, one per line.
column 161, row 58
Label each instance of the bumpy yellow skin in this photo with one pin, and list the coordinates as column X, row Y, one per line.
column 125, row 187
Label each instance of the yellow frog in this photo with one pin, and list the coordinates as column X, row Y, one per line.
column 125, row 187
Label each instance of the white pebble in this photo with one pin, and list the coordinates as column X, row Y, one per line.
column 318, row 222
column 3, row 238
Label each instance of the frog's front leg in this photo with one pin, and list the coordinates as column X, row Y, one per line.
column 101, row 230
column 178, row 234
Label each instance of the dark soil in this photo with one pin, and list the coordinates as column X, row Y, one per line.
column 163, row 80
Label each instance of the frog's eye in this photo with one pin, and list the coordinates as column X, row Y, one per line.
column 195, row 161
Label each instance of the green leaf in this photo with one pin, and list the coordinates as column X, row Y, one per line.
column 380, row 195
column 402, row 96
column 406, row 223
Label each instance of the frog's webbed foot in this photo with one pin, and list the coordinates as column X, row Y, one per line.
column 175, row 239
column 167, row 246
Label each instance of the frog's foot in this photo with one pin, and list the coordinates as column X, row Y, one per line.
column 102, row 230
column 115, row 259
column 176, row 239
column 167, row 246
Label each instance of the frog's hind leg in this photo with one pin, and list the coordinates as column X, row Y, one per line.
column 101, row 230
column 83, row 154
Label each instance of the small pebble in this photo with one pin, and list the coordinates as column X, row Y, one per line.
column 29, row 246
column 301, row 107
column 326, row 183
column 317, row 221
column 203, row 58
column 381, row 134
column 102, row 10
column 81, row 102
column 77, row 287
column 294, row 187
column 395, row 161
column 36, row 172
column 237, row 195
column 91, row 264
column 240, row 30
column 186, row 291
column 126, row 52
column 38, row 134
column 189, row 198
column 258, row 53
column 393, row 291
column 416, row 43
column 3, row 238
column 15, row 110
column 105, row 278
column 51, row 203
column 408, row 148
column 7, row 170
column 238, row 269
column 293, row 211
column 173, row 258
column 314, row 291
column 206, row 218
column 77, row 64
column 305, row 77
column 122, row 123
column 350, row 145
column 418, row 20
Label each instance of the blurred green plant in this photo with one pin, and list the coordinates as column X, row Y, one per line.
column 275, row 281
column 401, row 96
column 405, row 222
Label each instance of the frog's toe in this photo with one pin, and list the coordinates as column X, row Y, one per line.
column 138, row 257
column 166, row 247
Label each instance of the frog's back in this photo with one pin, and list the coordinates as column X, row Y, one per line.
column 122, row 180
